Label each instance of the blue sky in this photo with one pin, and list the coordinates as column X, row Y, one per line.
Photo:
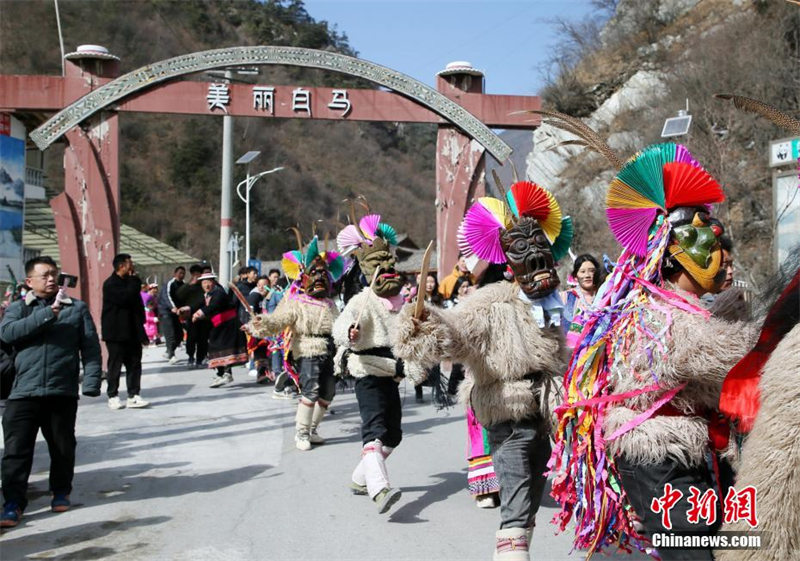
column 507, row 39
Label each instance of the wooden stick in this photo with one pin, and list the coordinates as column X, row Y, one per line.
column 242, row 299
column 423, row 274
column 364, row 305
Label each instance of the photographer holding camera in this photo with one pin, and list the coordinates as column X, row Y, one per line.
column 51, row 334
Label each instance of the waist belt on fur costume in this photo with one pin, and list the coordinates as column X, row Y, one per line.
column 222, row 317
column 383, row 352
column 331, row 346
column 718, row 433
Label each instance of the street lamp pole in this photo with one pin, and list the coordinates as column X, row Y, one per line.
column 249, row 182
column 225, row 203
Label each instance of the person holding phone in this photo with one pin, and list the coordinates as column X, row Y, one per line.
column 52, row 335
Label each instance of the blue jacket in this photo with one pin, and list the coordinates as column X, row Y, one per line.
column 49, row 348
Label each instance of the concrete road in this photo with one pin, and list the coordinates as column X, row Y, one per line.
column 213, row 474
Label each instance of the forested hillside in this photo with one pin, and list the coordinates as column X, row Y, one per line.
column 171, row 166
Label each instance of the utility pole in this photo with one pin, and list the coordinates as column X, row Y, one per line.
column 225, row 203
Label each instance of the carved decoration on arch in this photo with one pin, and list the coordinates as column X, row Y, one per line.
column 168, row 69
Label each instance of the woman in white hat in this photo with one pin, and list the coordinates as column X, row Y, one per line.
column 227, row 345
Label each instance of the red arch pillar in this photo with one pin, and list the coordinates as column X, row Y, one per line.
column 460, row 167
column 87, row 212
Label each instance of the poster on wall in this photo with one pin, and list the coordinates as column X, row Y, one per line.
column 12, row 201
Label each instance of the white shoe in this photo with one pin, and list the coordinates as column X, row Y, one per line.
column 486, row 501
column 315, row 438
column 137, row 402
column 115, row 403
column 173, row 360
column 302, row 441
column 218, row 381
column 253, row 373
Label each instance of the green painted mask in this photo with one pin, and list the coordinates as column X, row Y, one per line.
column 379, row 256
column 695, row 245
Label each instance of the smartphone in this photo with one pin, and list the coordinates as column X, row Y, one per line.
column 67, row 281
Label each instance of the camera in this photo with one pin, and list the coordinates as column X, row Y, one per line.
column 67, row 281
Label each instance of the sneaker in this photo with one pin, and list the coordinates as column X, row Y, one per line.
column 115, row 403
column 386, row 498
column 219, row 381
column 287, row 393
column 12, row 514
column 173, row 359
column 137, row 402
column 281, row 379
column 60, row 502
column 190, row 361
column 253, row 373
column 302, row 441
column 357, row 489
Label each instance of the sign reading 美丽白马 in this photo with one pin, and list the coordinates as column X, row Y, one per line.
column 12, row 197
column 784, row 152
column 264, row 99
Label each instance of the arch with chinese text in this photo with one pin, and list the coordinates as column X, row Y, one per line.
column 158, row 72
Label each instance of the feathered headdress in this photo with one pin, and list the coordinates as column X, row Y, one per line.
column 295, row 262
column 485, row 221
column 365, row 232
column 656, row 180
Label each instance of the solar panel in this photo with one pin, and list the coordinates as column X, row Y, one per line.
column 248, row 157
column 676, row 126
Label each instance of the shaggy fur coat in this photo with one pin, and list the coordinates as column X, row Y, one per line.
column 377, row 328
column 699, row 352
column 307, row 321
column 771, row 459
column 494, row 334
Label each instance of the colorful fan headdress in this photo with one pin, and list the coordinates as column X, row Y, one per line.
column 296, row 261
column 485, row 221
column 365, row 232
column 656, row 180
column 659, row 179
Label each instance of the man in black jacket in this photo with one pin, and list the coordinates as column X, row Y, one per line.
column 189, row 299
column 122, row 325
column 52, row 337
column 168, row 313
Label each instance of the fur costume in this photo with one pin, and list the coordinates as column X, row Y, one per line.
column 308, row 320
column 377, row 327
column 771, row 459
column 699, row 353
column 493, row 333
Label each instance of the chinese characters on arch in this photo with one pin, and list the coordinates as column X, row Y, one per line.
column 264, row 98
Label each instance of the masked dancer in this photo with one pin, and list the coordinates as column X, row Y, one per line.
column 509, row 337
column 308, row 312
